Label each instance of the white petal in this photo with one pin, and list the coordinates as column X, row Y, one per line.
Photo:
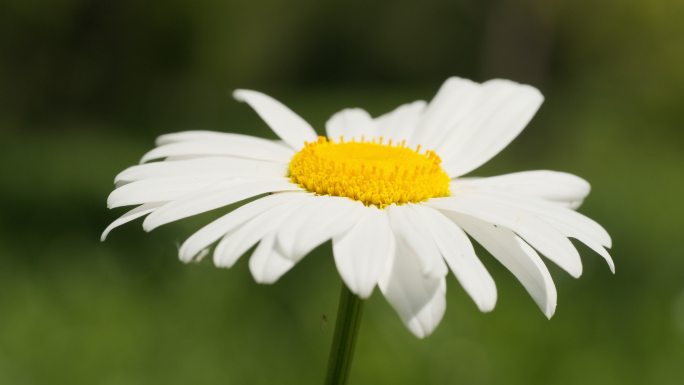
column 362, row 253
column 289, row 126
column 453, row 102
column 238, row 241
column 561, row 217
column 418, row 299
column 215, row 196
column 426, row 320
column 157, row 190
column 137, row 212
column 600, row 250
column 549, row 241
column 400, row 123
column 210, row 233
column 211, row 136
column 567, row 189
column 212, row 167
column 323, row 218
column 232, row 145
column 503, row 110
column 517, row 256
column 570, row 223
column 460, row 256
column 350, row 123
column 409, row 227
column 267, row 264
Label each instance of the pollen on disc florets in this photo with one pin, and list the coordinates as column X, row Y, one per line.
column 369, row 171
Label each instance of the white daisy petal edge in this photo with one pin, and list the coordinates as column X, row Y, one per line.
column 418, row 298
column 289, row 126
column 517, row 256
column 560, row 187
column 321, row 220
column 211, row 233
column 403, row 243
column 267, row 264
column 469, row 123
column 193, row 144
column 400, row 123
column 350, row 123
column 459, row 254
column 362, row 253
column 547, row 239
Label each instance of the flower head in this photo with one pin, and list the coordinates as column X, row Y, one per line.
column 388, row 191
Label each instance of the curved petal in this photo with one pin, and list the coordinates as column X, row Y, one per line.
column 289, row 126
column 323, row 218
column 503, row 109
column 362, row 253
column 517, row 256
column 213, row 197
column 136, row 213
column 569, row 222
column 213, row 136
column 157, row 190
column 426, row 320
column 238, row 241
column 418, row 299
column 560, row 187
column 400, row 123
column 211, row 233
column 460, row 256
column 454, row 101
column 407, row 225
column 549, row 241
column 231, row 145
column 350, row 123
column 267, row 264
column 211, row 167
column 194, row 135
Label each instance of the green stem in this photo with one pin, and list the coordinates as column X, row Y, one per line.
column 346, row 329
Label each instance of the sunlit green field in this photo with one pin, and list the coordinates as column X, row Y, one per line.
column 74, row 112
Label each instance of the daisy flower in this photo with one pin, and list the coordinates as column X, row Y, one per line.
column 389, row 191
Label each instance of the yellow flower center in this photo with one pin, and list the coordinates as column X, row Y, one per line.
column 371, row 172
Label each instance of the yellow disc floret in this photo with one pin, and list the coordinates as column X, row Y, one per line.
column 369, row 171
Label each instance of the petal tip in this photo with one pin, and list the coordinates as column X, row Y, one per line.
column 549, row 313
column 576, row 272
column 187, row 256
column 111, row 200
column 220, row 263
column 487, row 306
column 609, row 242
column 364, row 292
column 149, row 225
column 238, row 95
column 550, row 310
column 265, row 279
column 220, row 259
column 418, row 330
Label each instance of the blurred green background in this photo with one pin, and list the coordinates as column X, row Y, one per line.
column 86, row 86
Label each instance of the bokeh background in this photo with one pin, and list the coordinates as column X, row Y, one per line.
column 86, row 86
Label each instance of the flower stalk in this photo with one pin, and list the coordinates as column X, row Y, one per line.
column 347, row 327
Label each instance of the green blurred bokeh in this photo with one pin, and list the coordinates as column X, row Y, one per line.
column 85, row 86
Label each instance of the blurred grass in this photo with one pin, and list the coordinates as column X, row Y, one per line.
column 127, row 312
